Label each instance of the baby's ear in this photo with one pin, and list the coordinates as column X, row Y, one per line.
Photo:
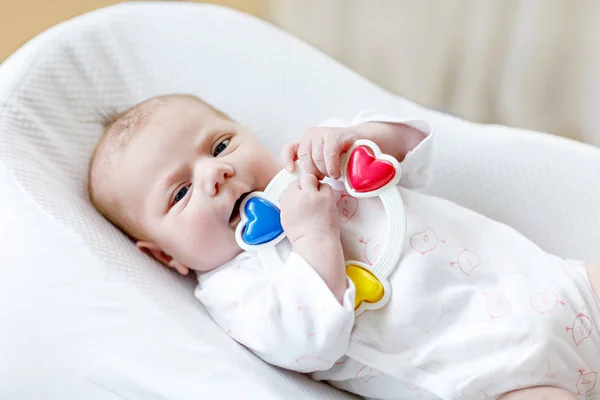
column 153, row 250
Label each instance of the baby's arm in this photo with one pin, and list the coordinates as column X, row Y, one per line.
column 287, row 315
column 394, row 139
column 298, row 316
column 310, row 219
column 409, row 141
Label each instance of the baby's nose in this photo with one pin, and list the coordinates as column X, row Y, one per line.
column 218, row 175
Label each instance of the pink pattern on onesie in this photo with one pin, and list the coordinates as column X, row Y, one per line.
column 347, row 207
column 581, row 328
column 425, row 241
column 341, row 360
column 545, row 301
column 430, row 316
column 497, row 305
column 373, row 248
column 478, row 389
column 467, row 261
column 367, row 373
column 413, row 388
column 586, row 382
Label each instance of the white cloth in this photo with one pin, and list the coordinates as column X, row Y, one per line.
column 476, row 308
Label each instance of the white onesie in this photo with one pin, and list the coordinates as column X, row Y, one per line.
column 477, row 310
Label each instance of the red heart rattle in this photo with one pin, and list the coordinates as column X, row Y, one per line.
column 366, row 172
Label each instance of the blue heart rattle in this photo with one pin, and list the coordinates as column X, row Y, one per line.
column 366, row 172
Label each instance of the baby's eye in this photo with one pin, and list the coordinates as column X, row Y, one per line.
column 181, row 193
column 220, row 147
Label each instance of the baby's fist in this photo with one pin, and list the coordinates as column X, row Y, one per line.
column 308, row 210
column 319, row 150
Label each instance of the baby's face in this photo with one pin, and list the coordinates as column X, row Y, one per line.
column 184, row 175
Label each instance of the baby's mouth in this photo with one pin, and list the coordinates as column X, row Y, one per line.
column 234, row 219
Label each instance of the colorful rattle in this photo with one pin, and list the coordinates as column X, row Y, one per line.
column 366, row 172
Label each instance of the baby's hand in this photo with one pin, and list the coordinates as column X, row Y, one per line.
column 310, row 219
column 308, row 210
column 319, row 150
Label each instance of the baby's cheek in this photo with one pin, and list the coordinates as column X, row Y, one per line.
column 209, row 242
column 204, row 235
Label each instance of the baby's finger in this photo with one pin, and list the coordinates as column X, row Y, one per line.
column 288, row 156
column 305, row 157
column 331, row 153
column 335, row 146
column 308, row 182
column 317, row 156
column 292, row 188
column 325, row 188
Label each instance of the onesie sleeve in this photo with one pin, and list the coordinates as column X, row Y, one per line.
column 287, row 316
column 416, row 166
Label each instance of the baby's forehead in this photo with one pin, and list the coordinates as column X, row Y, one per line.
column 158, row 130
column 135, row 119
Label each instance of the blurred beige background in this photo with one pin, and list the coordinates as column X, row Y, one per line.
column 526, row 63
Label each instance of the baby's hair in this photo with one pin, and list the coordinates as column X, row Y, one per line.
column 137, row 116
column 110, row 118
column 118, row 130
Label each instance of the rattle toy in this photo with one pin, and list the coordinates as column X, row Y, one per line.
column 366, row 172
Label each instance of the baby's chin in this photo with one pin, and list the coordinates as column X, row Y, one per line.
column 227, row 256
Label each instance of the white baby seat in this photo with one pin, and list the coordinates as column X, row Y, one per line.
column 84, row 315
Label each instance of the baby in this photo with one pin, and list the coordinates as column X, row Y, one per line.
column 477, row 310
